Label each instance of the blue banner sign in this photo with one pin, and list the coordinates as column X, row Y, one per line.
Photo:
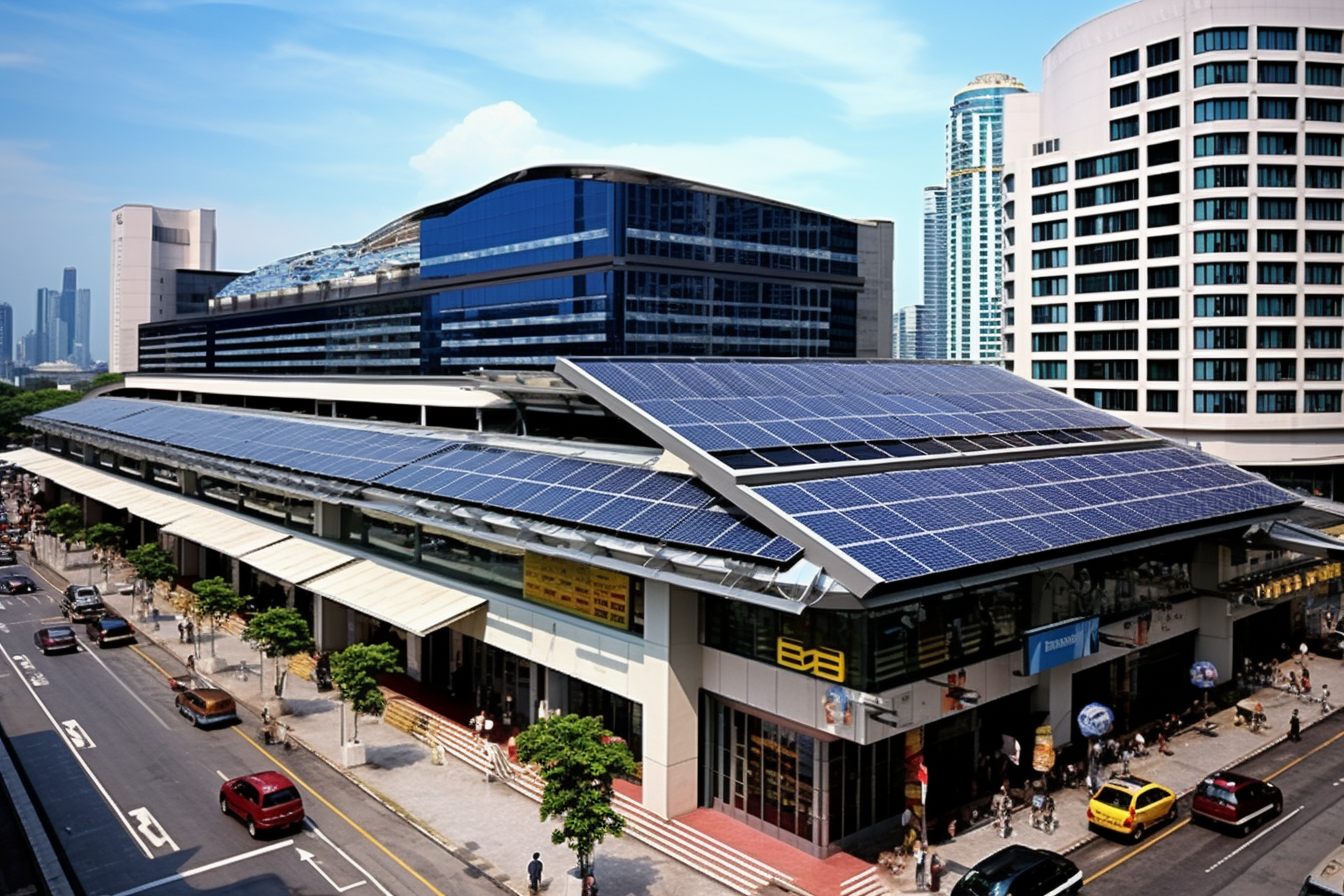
column 1052, row 645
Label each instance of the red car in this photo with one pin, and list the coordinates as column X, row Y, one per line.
column 1227, row 799
column 60, row 637
column 266, row 801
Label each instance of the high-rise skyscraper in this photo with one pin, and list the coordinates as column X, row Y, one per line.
column 82, row 353
column 149, row 246
column 1176, row 190
column 931, row 337
column 974, row 145
column 66, row 312
column 6, row 335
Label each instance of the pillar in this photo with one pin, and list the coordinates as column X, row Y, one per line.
column 672, row 679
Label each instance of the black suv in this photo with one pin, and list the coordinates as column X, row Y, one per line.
column 1023, row 871
column 82, row 603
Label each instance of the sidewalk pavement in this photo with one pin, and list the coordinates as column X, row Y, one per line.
column 501, row 830
column 1195, row 755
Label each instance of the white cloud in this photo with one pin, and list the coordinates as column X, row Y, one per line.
column 496, row 140
column 18, row 60
column 856, row 52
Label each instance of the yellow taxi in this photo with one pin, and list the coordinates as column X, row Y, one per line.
column 1130, row 806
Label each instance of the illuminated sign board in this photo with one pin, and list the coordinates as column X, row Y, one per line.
column 1053, row 645
column 819, row 661
column 588, row 591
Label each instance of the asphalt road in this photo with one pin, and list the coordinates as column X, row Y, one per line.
column 1194, row 860
column 131, row 789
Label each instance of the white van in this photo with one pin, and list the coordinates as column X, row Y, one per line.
column 1327, row 878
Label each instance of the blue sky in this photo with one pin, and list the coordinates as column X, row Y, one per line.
column 306, row 123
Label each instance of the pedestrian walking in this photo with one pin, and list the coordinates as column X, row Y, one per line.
column 478, row 725
column 920, row 856
column 191, row 632
column 181, row 631
column 935, row 871
column 534, row 872
column 1294, row 727
column 590, row 886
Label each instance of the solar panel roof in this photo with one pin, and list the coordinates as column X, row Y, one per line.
column 762, row 412
column 628, row 500
column 916, row 522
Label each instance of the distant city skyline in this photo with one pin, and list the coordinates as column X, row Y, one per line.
column 838, row 107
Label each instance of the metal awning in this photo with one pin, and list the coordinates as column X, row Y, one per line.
column 140, row 500
column 415, row 605
column 222, row 532
column 295, row 560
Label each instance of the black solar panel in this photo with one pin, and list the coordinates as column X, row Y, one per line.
column 744, row 411
column 614, row 497
column 944, row 519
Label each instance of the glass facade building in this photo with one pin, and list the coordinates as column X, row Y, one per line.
column 974, row 225
column 550, row 263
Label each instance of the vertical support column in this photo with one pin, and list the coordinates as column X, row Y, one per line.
column 414, row 645
column 671, row 683
column 319, row 617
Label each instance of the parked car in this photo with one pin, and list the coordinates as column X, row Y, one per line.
column 8, row 557
column 1236, row 801
column 58, row 637
column 1130, row 806
column 15, row 584
column 82, row 603
column 265, row 801
column 1021, row 871
column 207, row 706
column 109, row 629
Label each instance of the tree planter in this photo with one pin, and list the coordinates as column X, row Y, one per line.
column 352, row 754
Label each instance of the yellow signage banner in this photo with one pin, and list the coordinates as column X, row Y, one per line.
column 588, row 591
column 820, row 661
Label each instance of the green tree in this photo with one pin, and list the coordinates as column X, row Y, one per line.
column 106, row 537
column 152, row 563
column 102, row 379
column 13, row 408
column 65, row 521
column 577, row 759
column 353, row 671
column 281, row 632
column 215, row 600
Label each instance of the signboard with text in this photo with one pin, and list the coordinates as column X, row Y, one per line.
column 589, row 591
column 1052, row 645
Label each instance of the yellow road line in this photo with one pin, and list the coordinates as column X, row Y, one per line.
column 1184, row 821
column 367, row 836
column 147, row 658
column 1176, row 826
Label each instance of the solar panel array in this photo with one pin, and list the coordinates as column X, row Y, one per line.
column 623, row 499
column 660, row 506
column 780, row 413
column 900, row 525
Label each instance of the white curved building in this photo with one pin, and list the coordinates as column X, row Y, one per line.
column 1174, row 227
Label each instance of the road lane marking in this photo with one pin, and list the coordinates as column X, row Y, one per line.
column 342, row 854
column 1253, row 839
column 29, row 671
column 1183, row 822
column 222, row 776
column 306, row 856
column 183, row 875
column 134, row 696
column 107, row 797
column 150, row 827
column 347, row 819
column 76, row 734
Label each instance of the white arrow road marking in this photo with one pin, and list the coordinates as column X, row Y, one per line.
column 306, row 856
column 150, row 827
column 107, row 797
column 342, row 854
column 1253, row 839
column 29, row 670
column 174, row 878
column 77, row 735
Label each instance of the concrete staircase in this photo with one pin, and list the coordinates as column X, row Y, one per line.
column 715, row 860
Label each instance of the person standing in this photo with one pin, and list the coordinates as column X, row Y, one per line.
column 181, row 631
column 590, row 886
column 1294, row 728
column 920, row 855
column 191, row 632
column 534, row 872
column 935, row 871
